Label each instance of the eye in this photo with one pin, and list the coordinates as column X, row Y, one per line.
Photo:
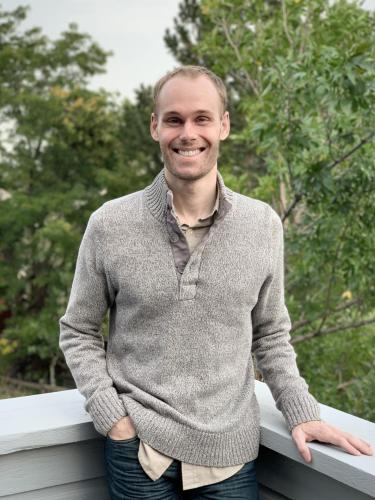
column 173, row 120
column 202, row 119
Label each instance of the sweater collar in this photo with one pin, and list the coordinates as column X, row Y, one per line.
column 156, row 196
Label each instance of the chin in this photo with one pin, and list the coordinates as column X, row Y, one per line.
column 188, row 170
column 186, row 173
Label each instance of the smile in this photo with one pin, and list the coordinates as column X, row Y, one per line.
column 189, row 152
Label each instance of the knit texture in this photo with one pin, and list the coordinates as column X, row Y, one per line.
column 178, row 360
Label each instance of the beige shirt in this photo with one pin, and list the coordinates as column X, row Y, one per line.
column 152, row 461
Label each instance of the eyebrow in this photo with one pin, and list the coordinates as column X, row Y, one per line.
column 199, row 112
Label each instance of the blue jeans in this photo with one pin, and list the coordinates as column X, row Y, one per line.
column 127, row 480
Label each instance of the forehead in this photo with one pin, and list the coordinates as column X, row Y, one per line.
column 184, row 94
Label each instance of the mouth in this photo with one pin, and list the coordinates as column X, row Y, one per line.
column 188, row 153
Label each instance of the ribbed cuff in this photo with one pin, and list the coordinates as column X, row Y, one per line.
column 105, row 409
column 300, row 409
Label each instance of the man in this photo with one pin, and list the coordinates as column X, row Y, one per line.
column 192, row 273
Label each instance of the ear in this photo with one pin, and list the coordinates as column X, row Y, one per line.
column 224, row 126
column 154, row 127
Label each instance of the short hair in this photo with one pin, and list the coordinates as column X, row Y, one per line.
column 192, row 72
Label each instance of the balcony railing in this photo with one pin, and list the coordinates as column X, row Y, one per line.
column 49, row 450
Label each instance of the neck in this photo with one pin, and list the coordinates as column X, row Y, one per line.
column 193, row 199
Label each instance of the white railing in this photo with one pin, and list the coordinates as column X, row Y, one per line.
column 49, row 450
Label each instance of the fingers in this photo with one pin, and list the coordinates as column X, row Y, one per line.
column 345, row 440
column 360, row 445
column 345, row 445
column 325, row 433
column 300, row 440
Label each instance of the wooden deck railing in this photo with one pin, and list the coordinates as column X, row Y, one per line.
column 49, row 450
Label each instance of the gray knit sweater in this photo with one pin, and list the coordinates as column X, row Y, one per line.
column 179, row 359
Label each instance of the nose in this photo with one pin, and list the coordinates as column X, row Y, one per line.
column 188, row 131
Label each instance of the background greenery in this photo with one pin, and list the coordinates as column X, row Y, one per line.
column 301, row 81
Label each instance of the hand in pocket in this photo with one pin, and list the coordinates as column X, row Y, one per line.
column 123, row 429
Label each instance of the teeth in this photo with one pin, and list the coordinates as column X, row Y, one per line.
column 188, row 153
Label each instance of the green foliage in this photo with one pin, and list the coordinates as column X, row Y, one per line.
column 68, row 150
column 301, row 79
column 137, row 151
column 340, row 370
column 301, row 83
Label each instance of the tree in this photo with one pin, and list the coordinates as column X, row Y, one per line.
column 139, row 158
column 302, row 77
column 61, row 138
column 307, row 95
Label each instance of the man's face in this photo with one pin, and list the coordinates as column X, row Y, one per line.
column 189, row 126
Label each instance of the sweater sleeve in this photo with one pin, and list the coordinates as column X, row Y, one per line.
column 275, row 356
column 80, row 338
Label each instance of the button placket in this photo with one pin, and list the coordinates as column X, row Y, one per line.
column 188, row 271
column 190, row 275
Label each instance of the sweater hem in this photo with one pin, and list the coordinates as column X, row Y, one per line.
column 192, row 446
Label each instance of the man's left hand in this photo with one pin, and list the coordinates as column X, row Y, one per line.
column 318, row 430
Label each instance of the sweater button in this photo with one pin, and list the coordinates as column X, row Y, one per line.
column 174, row 237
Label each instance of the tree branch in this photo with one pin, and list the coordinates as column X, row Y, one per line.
column 327, row 300
column 304, row 33
column 38, row 148
column 249, row 80
column 303, row 322
column 298, row 196
column 333, row 329
column 346, row 384
column 285, row 23
column 349, row 153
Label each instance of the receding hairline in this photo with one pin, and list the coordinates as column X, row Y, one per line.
column 192, row 72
